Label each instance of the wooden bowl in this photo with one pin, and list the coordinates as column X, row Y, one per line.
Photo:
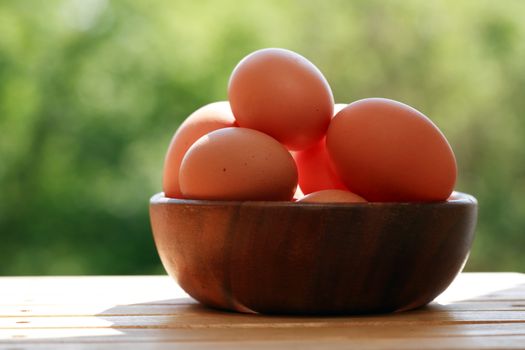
column 304, row 258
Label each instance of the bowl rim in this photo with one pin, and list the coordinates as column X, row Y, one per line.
column 460, row 199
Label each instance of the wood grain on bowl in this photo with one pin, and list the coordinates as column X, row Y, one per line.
column 293, row 258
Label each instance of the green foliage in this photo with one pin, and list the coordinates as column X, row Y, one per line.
column 92, row 91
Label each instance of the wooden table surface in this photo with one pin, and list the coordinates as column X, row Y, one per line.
column 479, row 311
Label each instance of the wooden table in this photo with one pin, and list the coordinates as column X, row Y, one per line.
column 479, row 311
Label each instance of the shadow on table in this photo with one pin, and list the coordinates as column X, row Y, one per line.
column 451, row 315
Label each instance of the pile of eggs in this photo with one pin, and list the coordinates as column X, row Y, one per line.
column 280, row 129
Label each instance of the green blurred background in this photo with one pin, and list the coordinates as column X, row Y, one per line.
column 91, row 92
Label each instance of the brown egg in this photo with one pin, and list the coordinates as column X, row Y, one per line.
column 316, row 172
column 211, row 117
column 238, row 164
column 282, row 94
column 387, row 151
column 332, row 196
